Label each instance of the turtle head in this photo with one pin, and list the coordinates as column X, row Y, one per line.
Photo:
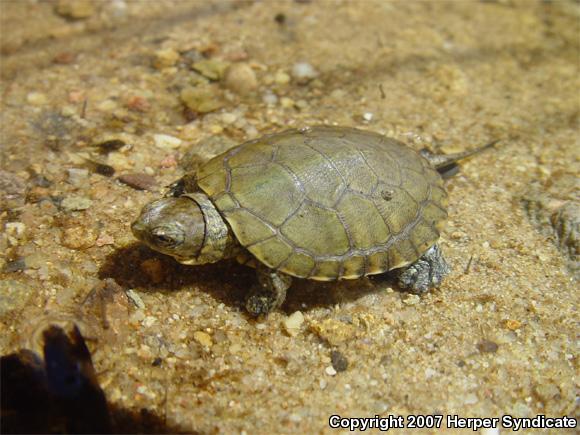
column 173, row 226
column 188, row 228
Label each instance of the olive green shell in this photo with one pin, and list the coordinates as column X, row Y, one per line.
column 328, row 203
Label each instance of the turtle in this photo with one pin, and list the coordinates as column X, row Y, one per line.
column 323, row 203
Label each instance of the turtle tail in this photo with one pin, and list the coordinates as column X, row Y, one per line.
column 447, row 164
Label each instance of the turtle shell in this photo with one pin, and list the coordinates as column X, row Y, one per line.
column 328, row 203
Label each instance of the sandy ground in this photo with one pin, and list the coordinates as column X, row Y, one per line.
column 173, row 346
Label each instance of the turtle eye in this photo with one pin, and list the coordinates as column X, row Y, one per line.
column 165, row 237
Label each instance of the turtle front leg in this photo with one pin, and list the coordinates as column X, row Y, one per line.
column 425, row 273
column 269, row 293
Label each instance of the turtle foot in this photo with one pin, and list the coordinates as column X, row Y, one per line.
column 269, row 294
column 427, row 272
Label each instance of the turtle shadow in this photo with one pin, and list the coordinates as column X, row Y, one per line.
column 227, row 281
column 306, row 295
column 31, row 403
column 138, row 267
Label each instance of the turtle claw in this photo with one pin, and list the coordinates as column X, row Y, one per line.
column 258, row 305
column 425, row 273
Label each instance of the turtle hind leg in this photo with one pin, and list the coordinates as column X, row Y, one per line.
column 425, row 273
column 269, row 293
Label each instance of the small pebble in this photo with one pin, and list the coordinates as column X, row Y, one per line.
column 164, row 141
column 210, row 68
column 270, row 98
column 75, row 203
column 457, row 235
column 36, row 98
column 77, row 177
column 368, row 116
column 138, row 104
column 107, row 106
column 411, row 299
column 75, row 9
column 138, row 181
column 303, row 72
column 202, row 338
column 333, row 331
column 201, row 99
column 330, row 371
column 429, row 373
column 168, row 162
column 281, row 78
column 295, row 418
column 470, row 399
column 512, row 324
column 118, row 8
column 135, row 298
column 241, row 79
column 138, row 316
column 487, row 346
column 339, row 361
column 149, row 321
column 105, row 239
column 15, row 229
column 302, row 104
column 293, row 323
column 165, row 58
column 78, row 238
column 286, row 102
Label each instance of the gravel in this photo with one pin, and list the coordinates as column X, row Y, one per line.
column 303, row 72
column 241, row 79
column 76, row 203
column 166, row 142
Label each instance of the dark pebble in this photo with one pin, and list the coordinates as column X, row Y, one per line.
column 486, row 346
column 157, row 362
column 15, row 265
column 280, row 18
column 110, row 145
column 339, row 361
column 101, row 168
column 138, row 181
